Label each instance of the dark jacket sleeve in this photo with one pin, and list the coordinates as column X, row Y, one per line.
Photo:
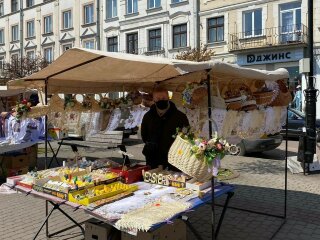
column 144, row 128
column 185, row 120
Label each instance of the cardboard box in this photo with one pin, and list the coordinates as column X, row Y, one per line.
column 33, row 155
column 13, row 180
column 198, row 186
column 175, row 231
column 16, row 161
column 131, row 175
column 15, row 172
column 97, row 230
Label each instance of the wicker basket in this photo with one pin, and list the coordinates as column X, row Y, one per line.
column 263, row 98
column 38, row 111
column 284, row 97
column 180, row 156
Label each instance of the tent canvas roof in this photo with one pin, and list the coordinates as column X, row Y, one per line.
column 90, row 71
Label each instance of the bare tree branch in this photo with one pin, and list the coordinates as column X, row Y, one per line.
column 22, row 67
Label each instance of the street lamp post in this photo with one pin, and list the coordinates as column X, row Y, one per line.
column 310, row 96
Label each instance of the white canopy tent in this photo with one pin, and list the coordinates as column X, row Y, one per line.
column 90, row 71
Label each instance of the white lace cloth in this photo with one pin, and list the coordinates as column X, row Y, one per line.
column 92, row 123
column 128, row 118
column 273, row 123
column 114, row 120
column 252, row 124
column 146, row 194
column 22, row 131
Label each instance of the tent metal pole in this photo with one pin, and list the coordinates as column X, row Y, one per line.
column 286, row 166
column 46, row 123
column 210, row 135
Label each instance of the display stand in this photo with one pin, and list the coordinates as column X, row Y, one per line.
column 57, row 202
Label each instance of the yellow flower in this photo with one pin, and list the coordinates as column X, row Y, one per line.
column 180, row 151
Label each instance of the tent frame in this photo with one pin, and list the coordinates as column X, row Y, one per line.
column 283, row 217
column 214, row 232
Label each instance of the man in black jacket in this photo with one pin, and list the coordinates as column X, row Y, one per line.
column 158, row 126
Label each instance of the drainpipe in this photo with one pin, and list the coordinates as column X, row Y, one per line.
column 197, row 23
column 98, row 26
column 21, row 28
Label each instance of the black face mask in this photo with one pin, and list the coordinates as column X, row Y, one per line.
column 162, row 104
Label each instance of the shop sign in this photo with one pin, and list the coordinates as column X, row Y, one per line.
column 270, row 57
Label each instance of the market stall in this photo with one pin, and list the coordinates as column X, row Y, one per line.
column 215, row 93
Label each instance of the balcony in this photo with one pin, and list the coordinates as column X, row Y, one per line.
column 156, row 52
column 269, row 37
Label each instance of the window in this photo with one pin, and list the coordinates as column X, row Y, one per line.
column 252, row 23
column 89, row 44
column 48, row 54
column 111, row 8
column 30, row 29
column 31, row 55
column 1, row 9
column 177, row 1
column 113, row 44
column 66, row 47
column 88, row 14
column 1, row 36
column 14, row 5
column 15, row 33
column 215, row 29
column 290, row 22
column 154, row 3
column 155, row 39
column 29, row 3
column 48, row 24
column 14, row 57
column 67, row 19
column 132, row 6
column 180, row 36
column 132, row 43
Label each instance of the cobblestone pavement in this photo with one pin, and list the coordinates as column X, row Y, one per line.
column 258, row 188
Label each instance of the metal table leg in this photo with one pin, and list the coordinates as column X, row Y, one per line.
column 196, row 233
column 45, row 222
column 55, row 206
column 229, row 196
column 55, row 154
column 192, row 229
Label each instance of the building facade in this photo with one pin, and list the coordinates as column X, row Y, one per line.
column 263, row 34
column 150, row 27
column 50, row 27
column 46, row 28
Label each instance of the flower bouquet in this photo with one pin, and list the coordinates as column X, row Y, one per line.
column 197, row 157
column 22, row 108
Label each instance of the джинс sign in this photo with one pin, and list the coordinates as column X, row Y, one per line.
column 270, row 57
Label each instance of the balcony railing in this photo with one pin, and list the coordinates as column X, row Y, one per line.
column 268, row 37
column 158, row 51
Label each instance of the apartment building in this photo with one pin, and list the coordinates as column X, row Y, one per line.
column 262, row 34
column 150, row 27
column 50, row 27
column 46, row 28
